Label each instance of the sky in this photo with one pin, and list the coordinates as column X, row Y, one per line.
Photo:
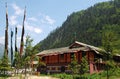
column 42, row 16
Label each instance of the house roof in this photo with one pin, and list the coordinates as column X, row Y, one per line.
column 85, row 45
column 118, row 55
column 75, row 47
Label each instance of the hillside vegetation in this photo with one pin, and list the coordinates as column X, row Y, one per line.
column 87, row 26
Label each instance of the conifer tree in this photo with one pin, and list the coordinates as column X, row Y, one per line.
column 84, row 65
column 74, row 66
column 4, row 66
column 28, row 55
column 108, row 36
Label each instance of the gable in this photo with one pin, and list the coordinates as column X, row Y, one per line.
column 77, row 45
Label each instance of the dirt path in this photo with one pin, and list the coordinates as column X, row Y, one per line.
column 41, row 77
column 33, row 77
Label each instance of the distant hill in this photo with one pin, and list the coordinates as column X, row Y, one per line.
column 86, row 26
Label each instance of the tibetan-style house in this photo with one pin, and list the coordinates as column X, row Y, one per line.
column 58, row 59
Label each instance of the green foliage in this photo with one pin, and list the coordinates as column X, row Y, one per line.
column 68, row 76
column 113, row 67
column 101, row 75
column 28, row 46
column 109, row 36
column 28, row 54
column 4, row 65
column 74, row 66
column 88, row 25
column 81, row 68
column 17, row 61
column 41, row 64
column 25, row 61
column 30, row 51
column 84, row 65
column 62, row 76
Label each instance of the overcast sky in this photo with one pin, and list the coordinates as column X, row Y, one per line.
column 42, row 16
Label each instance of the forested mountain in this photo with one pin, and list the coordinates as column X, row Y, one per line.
column 87, row 26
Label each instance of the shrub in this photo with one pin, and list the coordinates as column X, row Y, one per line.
column 63, row 76
column 84, row 65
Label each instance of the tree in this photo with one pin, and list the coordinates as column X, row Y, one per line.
column 26, row 63
column 108, row 37
column 4, row 65
column 18, row 61
column 29, row 55
column 74, row 66
column 84, row 65
column 28, row 46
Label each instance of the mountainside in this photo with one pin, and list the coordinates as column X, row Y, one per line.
column 86, row 26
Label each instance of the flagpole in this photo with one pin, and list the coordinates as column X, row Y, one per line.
column 16, row 40
column 22, row 36
column 11, row 48
column 6, row 33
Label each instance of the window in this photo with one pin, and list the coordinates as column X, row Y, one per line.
column 72, row 55
column 43, row 58
column 83, row 53
column 62, row 56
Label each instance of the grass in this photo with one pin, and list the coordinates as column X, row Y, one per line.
column 85, row 76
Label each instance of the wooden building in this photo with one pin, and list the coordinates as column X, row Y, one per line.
column 58, row 59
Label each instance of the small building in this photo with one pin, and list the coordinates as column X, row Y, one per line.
column 58, row 59
column 116, row 58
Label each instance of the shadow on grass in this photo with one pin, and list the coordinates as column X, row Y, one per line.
column 4, row 76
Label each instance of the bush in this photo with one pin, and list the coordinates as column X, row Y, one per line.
column 85, row 76
column 101, row 75
column 80, row 77
column 63, row 76
column 4, row 75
